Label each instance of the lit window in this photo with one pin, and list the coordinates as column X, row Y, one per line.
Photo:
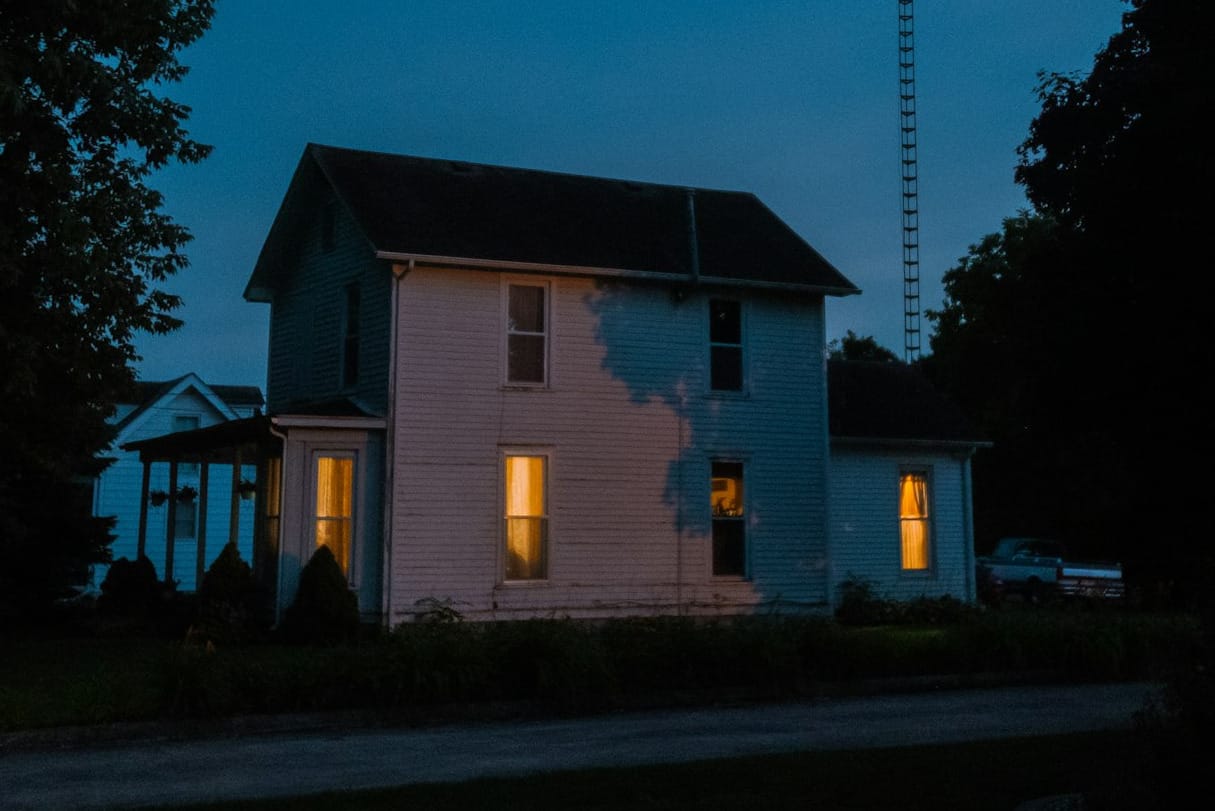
column 725, row 345
column 526, row 518
column 914, row 528
column 350, row 338
column 729, row 523
column 335, row 506
column 525, row 334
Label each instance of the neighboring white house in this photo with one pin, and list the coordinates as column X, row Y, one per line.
column 158, row 408
column 541, row 394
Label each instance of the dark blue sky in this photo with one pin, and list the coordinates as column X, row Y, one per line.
column 794, row 101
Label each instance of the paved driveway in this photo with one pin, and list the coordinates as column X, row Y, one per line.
column 158, row 772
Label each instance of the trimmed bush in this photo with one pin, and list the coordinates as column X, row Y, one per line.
column 325, row 611
column 227, row 599
column 130, row 589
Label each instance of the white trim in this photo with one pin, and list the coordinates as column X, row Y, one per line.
column 546, row 453
column 504, row 332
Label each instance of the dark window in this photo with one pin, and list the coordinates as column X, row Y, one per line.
column 525, row 334
column 185, row 520
column 350, row 338
column 725, row 345
column 183, row 422
column 729, row 521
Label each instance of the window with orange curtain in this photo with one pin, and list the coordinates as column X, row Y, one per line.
column 526, row 530
column 914, row 527
column 335, row 506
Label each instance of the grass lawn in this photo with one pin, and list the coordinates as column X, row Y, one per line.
column 1107, row 767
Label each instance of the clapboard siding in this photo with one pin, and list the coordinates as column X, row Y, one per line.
column 630, row 428
column 306, row 322
column 865, row 522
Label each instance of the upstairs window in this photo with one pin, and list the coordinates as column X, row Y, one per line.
column 729, row 519
column 526, row 334
column 914, row 528
column 350, row 338
column 526, row 530
column 725, row 345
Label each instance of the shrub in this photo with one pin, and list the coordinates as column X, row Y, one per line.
column 860, row 604
column 324, row 610
column 227, row 599
column 130, row 589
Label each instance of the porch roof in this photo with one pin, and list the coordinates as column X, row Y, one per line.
column 218, row 443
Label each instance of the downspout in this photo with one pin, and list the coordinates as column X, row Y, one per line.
column 694, row 278
column 693, row 240
column 282, row 503
column 398, row 274
column 968, row 527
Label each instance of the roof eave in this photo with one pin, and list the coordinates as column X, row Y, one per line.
column 475, row 263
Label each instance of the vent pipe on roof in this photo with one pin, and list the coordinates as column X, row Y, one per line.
column 693, row 242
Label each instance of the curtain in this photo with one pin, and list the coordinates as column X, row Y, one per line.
column 913, row 519
column 335, row 506
column 526, row 523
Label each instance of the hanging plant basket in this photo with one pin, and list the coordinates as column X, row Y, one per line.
column 157, row 497
column 186, row 493
column 246, row 489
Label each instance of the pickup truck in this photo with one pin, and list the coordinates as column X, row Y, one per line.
column 1036, row 568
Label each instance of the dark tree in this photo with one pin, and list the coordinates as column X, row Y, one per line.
column 1079, row 335
column 83, row 247
column 855, row 347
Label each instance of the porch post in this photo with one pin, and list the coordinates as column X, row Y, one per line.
column 234, row 506
column 171, row 529
column 200, row 565
column 142, row 543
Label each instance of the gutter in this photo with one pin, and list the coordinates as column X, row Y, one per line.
column 470, row 263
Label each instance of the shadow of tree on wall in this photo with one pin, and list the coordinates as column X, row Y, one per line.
column 764, row 428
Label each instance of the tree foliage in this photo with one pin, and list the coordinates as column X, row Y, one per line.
column 1077, row 335
column 84, row 244
column 856, row 347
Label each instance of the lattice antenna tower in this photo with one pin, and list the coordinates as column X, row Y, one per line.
column 910, row 175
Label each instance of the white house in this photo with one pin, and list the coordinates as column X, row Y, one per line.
column 538, row 394
column 184, row 404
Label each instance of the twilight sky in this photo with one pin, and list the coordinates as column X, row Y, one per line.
column 796, row 102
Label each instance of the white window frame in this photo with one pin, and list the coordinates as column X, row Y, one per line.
column 928, row 519
column 506, row 332
column 352, row 571
column 547, row 455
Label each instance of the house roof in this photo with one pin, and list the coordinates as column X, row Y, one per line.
column 892, row 402
column 452, row 212
column 149, row 393
column 232, row 395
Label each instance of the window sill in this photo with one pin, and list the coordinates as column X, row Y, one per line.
column 715, row 394
column 525, row 387
column 523, row 584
